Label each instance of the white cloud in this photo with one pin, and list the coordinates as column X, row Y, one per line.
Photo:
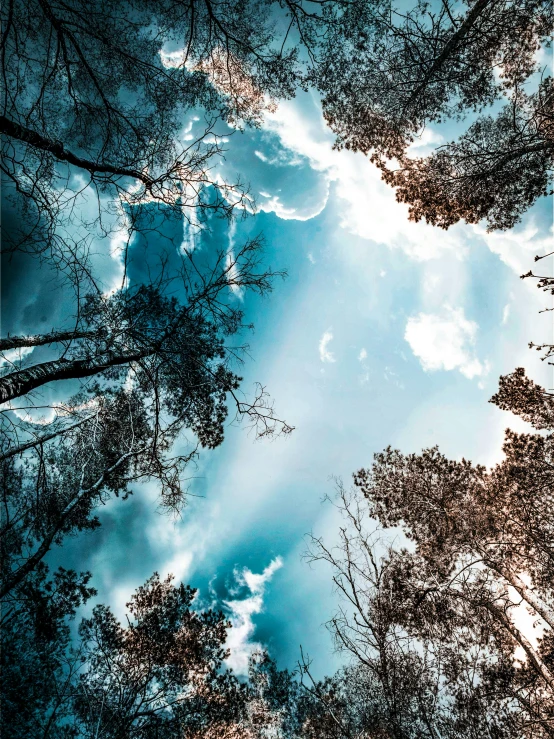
column 274, row 205
column 362, row 355
column 233, row 274
column 173, row 59
column 368, row 206
column 427, row 140
column 324, row 354
column 445, row 342
column 505, row 314
column 391, row 376
column 242, row 611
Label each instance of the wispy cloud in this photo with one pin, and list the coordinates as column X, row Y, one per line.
column 233, row 271
column 239, row 640
column 324, row 354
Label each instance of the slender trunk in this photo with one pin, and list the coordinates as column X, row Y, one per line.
column 16, row 342
column 529, row 596
column 533, row 656
column 16, row 577
column 450, row 47
column 24, row 381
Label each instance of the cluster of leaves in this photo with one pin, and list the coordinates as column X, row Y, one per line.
column 160, row 675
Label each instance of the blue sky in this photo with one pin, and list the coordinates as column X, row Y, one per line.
column 385, row 332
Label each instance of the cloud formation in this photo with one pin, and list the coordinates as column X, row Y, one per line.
column 15, row 356
column 242, row 612
column 368, row 206
column 445, row 342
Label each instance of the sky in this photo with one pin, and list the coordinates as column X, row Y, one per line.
column 384, row 332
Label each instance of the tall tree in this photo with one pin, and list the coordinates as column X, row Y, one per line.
column 154, row 368
column 162, row 674
column 39, row 665
column 480, row 549
column 159, row 675
column 418, row 657
column 389, row 71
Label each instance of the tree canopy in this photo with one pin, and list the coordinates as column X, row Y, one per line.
column 432, row 621
column 114, row 115
column 388, row 72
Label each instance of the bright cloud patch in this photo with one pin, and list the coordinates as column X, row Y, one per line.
column 242, row 612
column 324, row 354
column 445, row 342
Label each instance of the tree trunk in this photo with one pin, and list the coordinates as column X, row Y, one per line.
column 41, row 439
column 56, row 148
column 450, row 47
column 24, row 381
column 533, row 656
column 529, row 596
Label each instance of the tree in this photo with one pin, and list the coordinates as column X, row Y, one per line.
column 162, row 674
column 495, row 171
column 100, row 91
column 39, row 665
column 418, row 658
column 434, row 623
column 95, row 100
column 158, row 367
column 387, row 72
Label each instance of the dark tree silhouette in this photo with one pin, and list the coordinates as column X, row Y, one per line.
column 100, row 91
column 160, row 675
column 39, row 666
column 156, row 368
